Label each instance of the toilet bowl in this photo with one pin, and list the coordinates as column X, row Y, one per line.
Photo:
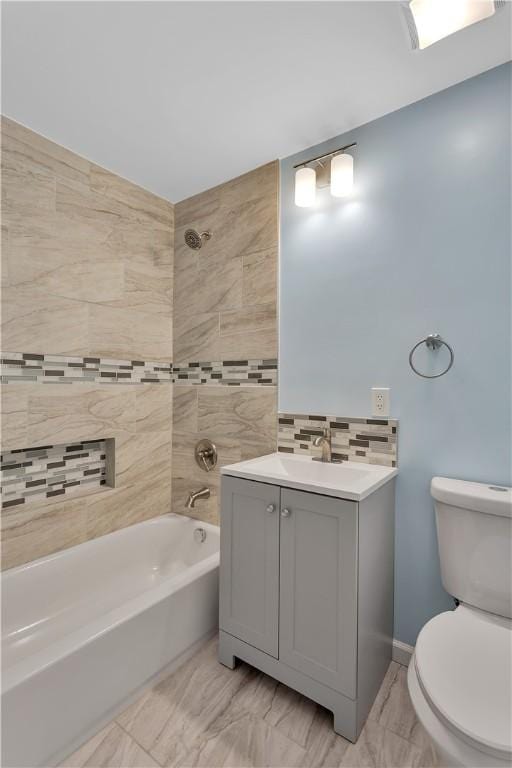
column 460, row 675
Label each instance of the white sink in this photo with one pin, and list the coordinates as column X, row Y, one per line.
column 349, row 480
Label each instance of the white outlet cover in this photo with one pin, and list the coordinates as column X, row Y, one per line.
column 380, row 401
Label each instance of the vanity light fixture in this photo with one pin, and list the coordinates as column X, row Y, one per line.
column 341, row 176
column 430, row 20
column 305, row 187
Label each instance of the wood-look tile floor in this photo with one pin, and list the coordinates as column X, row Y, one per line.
column 207, row 715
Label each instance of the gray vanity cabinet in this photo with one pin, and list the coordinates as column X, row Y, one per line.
column 318, row 616
column 306, row 591
column 249, row 572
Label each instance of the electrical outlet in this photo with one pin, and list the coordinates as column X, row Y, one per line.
column 380, row 401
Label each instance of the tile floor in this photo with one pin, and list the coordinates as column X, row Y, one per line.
column 207, row 715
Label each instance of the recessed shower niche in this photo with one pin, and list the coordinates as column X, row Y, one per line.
column 49, row 472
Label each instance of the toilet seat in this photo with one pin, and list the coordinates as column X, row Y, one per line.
column 463, row 662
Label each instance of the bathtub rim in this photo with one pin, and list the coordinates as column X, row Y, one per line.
column 70, row 642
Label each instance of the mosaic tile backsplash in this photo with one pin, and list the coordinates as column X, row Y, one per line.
column 36, row 474
column 20, row 366
column 371, row 440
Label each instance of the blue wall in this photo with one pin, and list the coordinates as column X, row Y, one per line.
column 423, row 245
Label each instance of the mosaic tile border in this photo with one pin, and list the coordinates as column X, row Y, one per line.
column 59, row 369
column 228, row 372
column 47, row 471
column 367, row 440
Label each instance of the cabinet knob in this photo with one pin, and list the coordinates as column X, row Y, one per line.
column 285, row 512
column 271, row 508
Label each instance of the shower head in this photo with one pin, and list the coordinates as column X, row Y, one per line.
column 195, row 240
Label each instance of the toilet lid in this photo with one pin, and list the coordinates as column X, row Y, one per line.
column 463, row 660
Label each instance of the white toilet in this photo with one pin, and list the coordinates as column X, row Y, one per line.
column 460, row 676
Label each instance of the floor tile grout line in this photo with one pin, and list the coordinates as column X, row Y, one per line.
column 132, row 737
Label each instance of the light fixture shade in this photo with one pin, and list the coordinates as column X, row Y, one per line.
column 305, row 187
column 342, row 175
column 434, row 19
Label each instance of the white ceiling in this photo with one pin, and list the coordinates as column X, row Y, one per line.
column 180, row 96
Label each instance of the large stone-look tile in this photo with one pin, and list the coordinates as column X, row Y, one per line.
column 142, row 204
column 59, row 273
column 33, row 321
column 207, row 715
column 30, row 531
column 199, row 211
column 196, row 337
column 80, row 236
column 260, row 278
column 292, row 713
column 187, row 476
column 112, row 747
column 138, row 417
column 324, row 747
column 59, row 413
column 248, row 320
column 247, row 414
column 127, row 334
column 172, row 719
column 14, row 410
column 184, row 403
column 83, row 205
column 255, row 345
column 227, row 275
column 56, row 158
column 28, row 187
column 261, row 183
column 146, row 290
column 246, row 742
column 153, row 407
column 185, row 282
column 378, row 747
column 219, row 283
column 207, row 283
column 393, row 708
column 240, row 421
column 247, row 226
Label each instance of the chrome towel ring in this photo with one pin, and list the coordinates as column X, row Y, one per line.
column 433, row 341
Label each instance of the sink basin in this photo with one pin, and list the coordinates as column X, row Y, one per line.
column 349, row 480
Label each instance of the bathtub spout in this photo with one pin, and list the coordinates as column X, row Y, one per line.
column 202, row 493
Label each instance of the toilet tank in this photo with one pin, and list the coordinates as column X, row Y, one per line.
column 474, row 532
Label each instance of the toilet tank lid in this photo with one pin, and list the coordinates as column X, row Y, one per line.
column 480, row 497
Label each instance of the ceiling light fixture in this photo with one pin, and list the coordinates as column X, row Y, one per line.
column 431, row 20
column 341, row 176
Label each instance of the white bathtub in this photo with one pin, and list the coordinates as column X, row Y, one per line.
column 86, row 629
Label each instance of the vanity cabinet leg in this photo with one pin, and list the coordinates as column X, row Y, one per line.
column 345, row 723
column 225, row 655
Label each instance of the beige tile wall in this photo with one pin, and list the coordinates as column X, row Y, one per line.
column 86, row 259
column 225, row 308
column 137, row 416
column 240, row 421
column 225, row 295
column 87, row 269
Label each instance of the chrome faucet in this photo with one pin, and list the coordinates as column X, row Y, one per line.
column 202, row 493
column 324, row 441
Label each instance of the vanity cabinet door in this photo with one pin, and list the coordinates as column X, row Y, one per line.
column 249, row 562
column 318, row 603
